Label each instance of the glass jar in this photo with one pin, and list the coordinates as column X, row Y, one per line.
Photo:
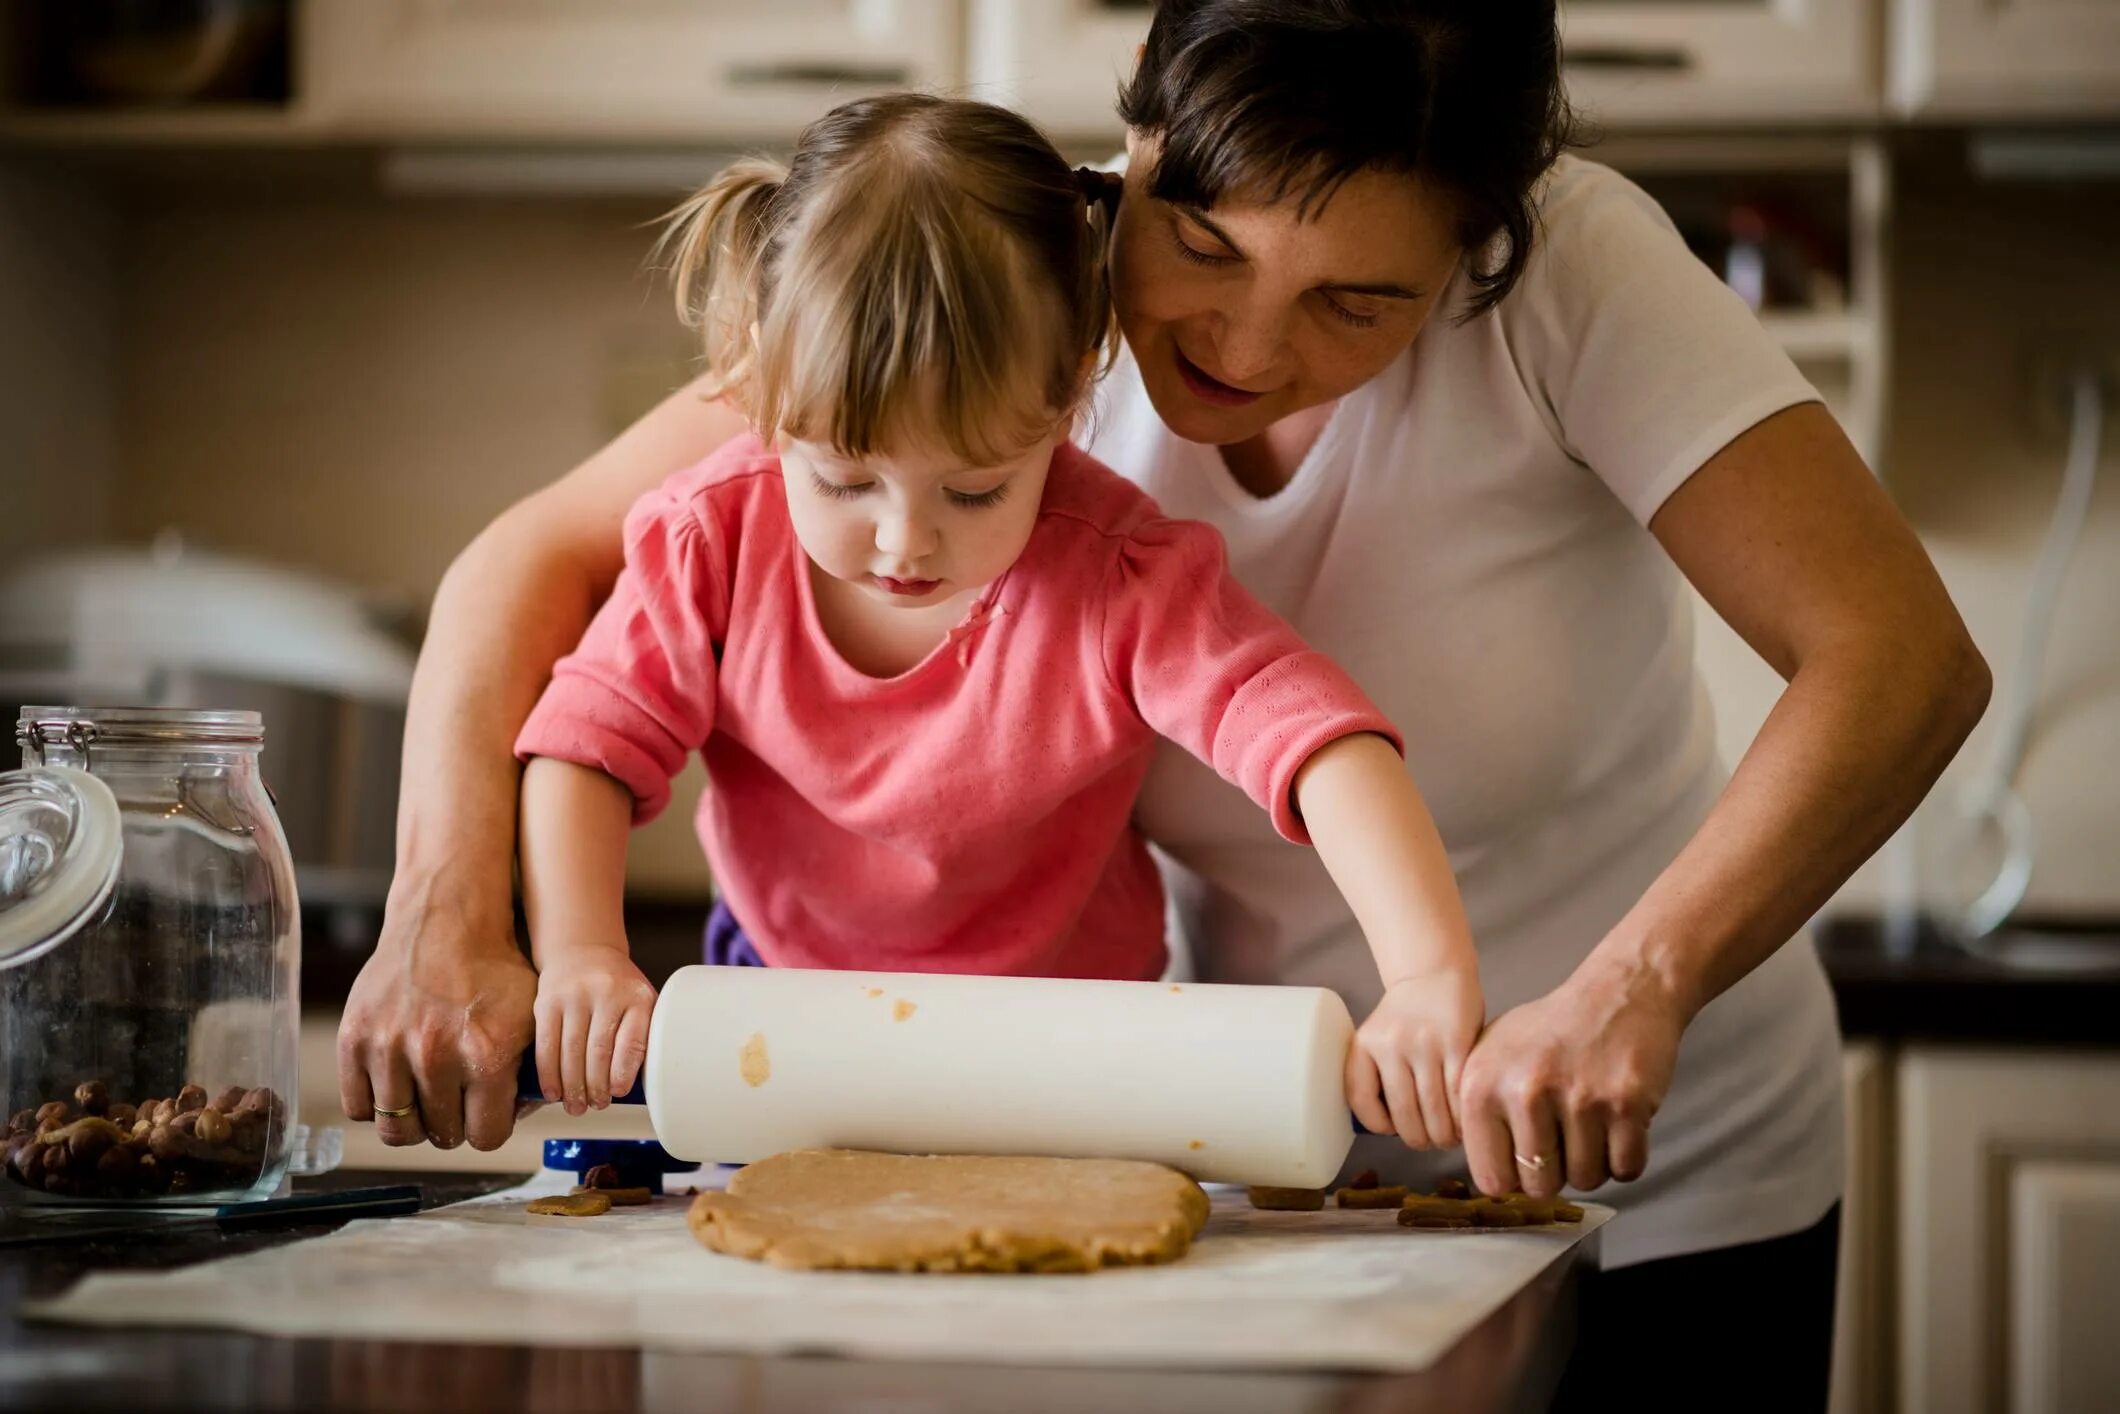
column 149, row 955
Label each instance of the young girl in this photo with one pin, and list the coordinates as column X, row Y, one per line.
column 925, row 644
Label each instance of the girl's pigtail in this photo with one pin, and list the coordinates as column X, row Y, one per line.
column 1101, row 191
column 714, row 241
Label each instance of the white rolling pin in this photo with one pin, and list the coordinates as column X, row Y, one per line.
column 1230, row 1084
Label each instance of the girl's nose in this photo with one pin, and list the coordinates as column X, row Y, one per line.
column 907, row 537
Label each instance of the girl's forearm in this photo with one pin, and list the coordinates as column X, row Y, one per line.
column 574, row 830
column 1379, row 843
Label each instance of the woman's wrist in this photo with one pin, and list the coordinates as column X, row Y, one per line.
column 1630, row 969
column 476, row 896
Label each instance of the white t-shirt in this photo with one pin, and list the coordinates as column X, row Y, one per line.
column 1468, row 538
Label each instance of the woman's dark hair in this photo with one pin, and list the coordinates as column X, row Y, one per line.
column 1273, row 98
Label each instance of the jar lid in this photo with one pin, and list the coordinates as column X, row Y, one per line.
column 61, row 840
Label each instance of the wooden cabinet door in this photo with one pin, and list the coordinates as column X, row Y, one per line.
column 1721, row 61
column 2009, row 1230
column 2064, row 1266
column 2006, row 58
column 701, row 71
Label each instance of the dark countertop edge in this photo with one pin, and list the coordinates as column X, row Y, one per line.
column 1937, row 991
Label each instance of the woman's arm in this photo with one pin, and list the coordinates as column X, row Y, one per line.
column 441, row 1013
column 1788, row 536
column 1376, row 838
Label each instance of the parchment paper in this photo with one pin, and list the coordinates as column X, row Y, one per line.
column 1329, row 1290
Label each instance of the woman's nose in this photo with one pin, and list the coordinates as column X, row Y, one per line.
column 1250, row 343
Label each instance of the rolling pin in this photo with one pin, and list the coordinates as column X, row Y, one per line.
column 1231, row 1084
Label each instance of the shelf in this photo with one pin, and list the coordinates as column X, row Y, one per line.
column 246, row 125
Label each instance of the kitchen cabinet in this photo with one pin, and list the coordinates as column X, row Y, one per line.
column 2009, row 1229
column 1058, row 62
column 648, row 70
column 1629, row 62
column 1667, row 62
column 2002, row 59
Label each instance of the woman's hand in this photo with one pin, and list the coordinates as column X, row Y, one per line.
column 438, row 1020
column 1563, row 1088
column 593, row 1009
column 1403, row 1068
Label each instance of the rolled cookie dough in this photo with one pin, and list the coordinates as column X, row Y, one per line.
column 820, row 1209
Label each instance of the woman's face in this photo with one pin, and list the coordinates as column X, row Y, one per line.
column 1244, row 314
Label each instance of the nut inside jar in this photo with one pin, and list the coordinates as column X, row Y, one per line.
column 92, row 1147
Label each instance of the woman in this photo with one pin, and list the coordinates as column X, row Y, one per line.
column 1466, row 411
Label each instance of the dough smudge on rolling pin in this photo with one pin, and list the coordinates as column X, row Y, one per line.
column 872, row 991
column 901, row 1009
column 752, row 1062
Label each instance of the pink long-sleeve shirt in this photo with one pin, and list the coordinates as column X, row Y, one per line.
column 973, row 813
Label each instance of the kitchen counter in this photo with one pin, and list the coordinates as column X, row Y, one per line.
column 2056, row 986
column 1510, row 1361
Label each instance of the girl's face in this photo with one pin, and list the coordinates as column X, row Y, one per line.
column 1244, row 314
column 913, row 528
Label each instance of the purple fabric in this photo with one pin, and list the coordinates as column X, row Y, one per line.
column 727, row 943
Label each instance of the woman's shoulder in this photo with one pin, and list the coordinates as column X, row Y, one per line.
column 1595, row 225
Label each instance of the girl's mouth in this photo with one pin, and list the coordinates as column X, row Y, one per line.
column 910, row 588
column 1208, row 388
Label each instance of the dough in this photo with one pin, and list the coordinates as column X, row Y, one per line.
column 817, row 1209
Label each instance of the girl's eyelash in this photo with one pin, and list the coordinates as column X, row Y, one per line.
column 980, row 500
column 833, row 490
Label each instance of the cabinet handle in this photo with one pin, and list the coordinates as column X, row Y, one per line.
column 818, row 72
column 1625, row 57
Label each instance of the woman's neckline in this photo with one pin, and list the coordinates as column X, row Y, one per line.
column 1297, row 488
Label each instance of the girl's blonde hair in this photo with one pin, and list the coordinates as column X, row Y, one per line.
column 924, row 272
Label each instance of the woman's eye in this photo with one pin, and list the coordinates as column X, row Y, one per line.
column 1345, row 315
column 1197, row 256
column 837, row 491
column 979, row 500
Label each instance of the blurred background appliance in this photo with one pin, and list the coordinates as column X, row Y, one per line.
column 172, row 626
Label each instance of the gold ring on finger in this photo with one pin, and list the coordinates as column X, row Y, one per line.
column 400, row 1113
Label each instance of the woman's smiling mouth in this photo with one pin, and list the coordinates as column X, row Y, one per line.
column 1208, row 388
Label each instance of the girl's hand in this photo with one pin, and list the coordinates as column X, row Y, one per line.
column 593, row 1008
column 1563, row 1088
column 1403, row 1068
